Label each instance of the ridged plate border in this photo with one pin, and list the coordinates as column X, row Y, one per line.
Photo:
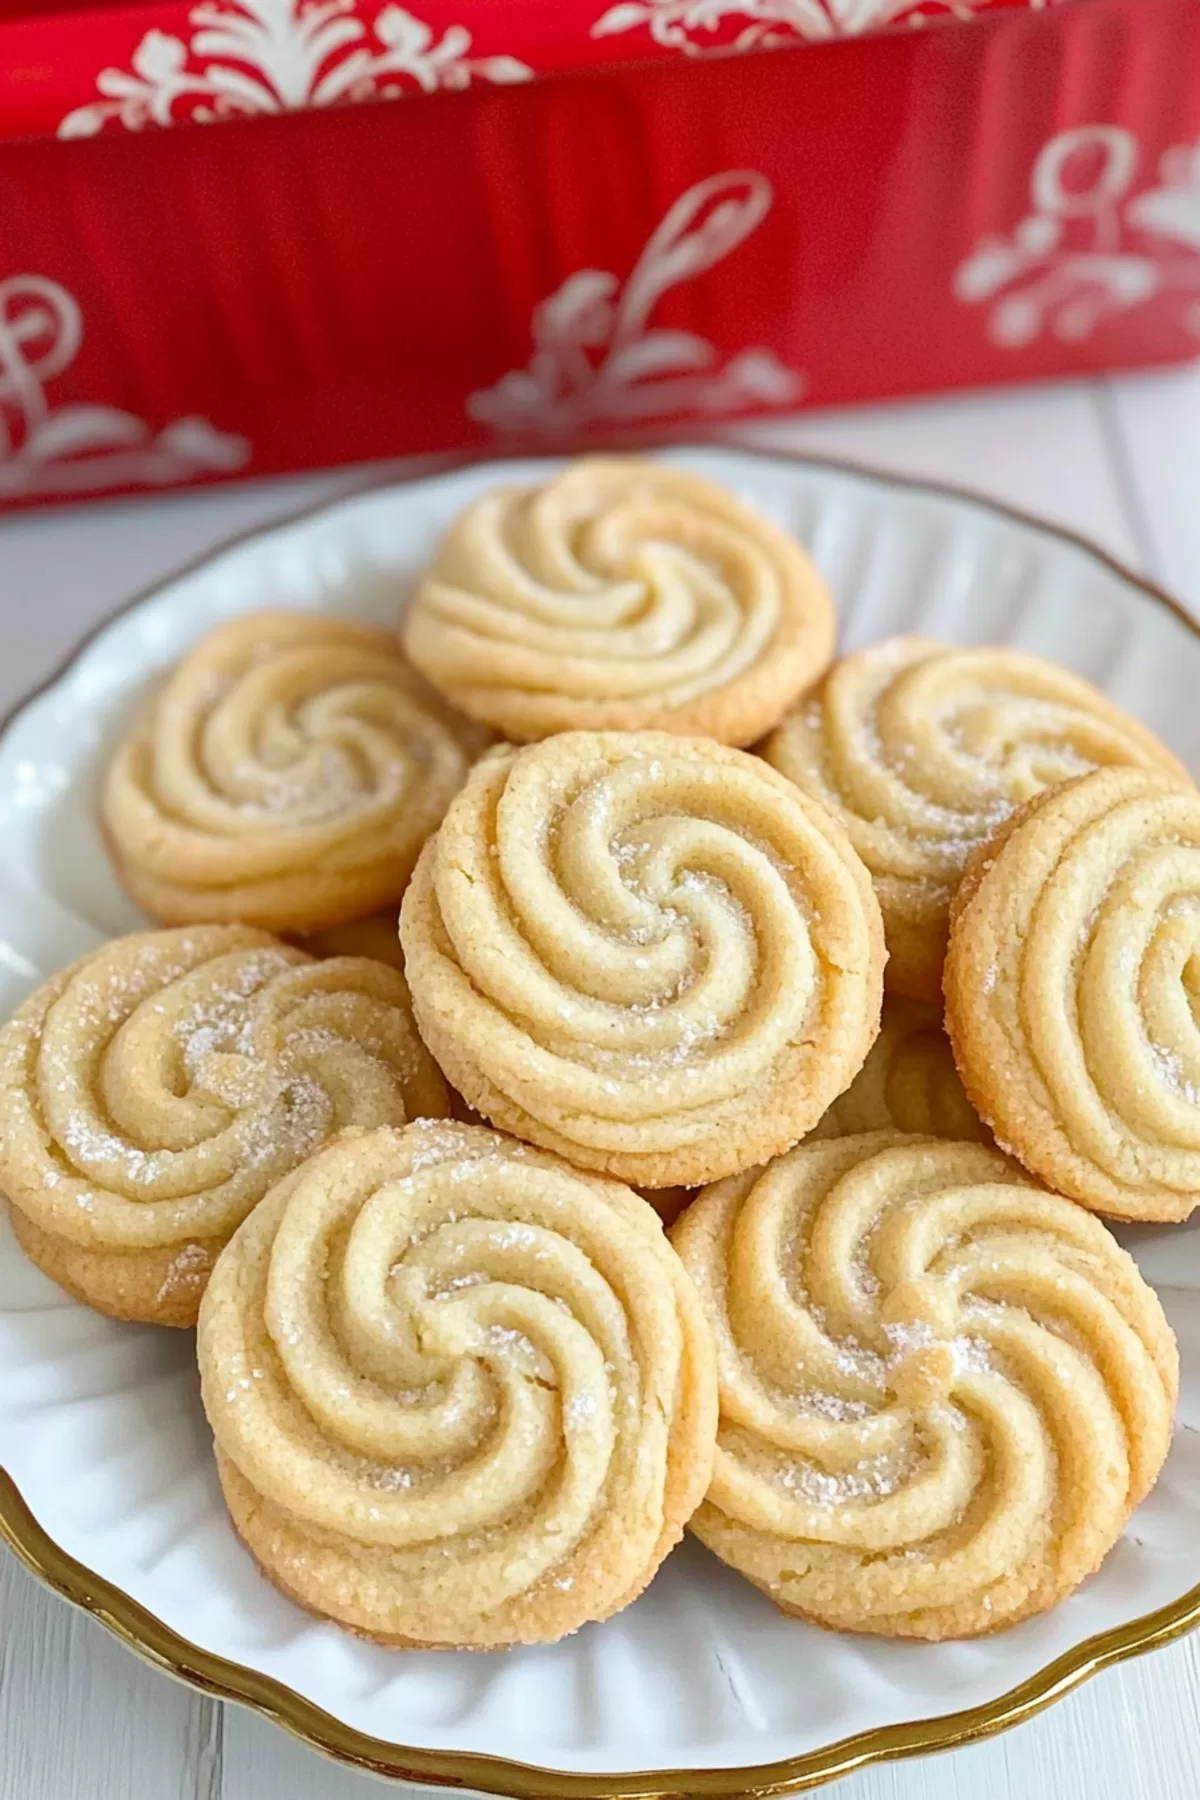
column 165, row 1649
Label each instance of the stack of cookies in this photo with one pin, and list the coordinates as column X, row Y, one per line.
column 486, row 948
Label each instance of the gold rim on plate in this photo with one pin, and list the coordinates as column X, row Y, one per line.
column 157, row 1644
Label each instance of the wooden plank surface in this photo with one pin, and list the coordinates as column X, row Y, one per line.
column 81, row 1718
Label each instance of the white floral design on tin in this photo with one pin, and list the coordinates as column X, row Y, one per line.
column 1081, row 255
column 597, row 361
column 82, row 448
column 705, row 27
column 248, row 57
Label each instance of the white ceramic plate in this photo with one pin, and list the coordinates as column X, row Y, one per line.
column 101, row 1430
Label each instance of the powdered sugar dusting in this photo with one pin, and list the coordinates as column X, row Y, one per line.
column 579, row 1410
column 834, row 1407
column 513, row 1237
column 326, row 781
column 905, row 1339
column 1169, row 1067
column 90, row 1142
column 972, row 1356
column 187, row 1271
column 391, row 1481
column 869, row 1479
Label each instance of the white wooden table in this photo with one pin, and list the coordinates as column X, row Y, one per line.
column 82, row 1719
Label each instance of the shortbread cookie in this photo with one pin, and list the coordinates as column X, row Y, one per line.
column 908, row 1082
column 376, row 936
column 621, row 596
column 151, row 1094
column 1071, row 991
column 285, row 774
column 943, row 1389
column 651, row 954
column 923, row 750
column 462, row 1394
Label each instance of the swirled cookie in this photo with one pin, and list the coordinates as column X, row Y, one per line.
column 922, row 751
column 943, row 1390
column 151, row 1094
column 461, row 1393
column 1073, row 991
column 651, row 954
column 285, row 774
column 621, row 596
column 908, row 1082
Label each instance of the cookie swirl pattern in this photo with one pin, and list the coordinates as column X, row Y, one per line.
column 284, row 775
column 922, row 751
column 943, row 1389
column 151, row 1094
column 650, row 954
column 620, row 596
column 461, row 1393
column 1073, row 991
